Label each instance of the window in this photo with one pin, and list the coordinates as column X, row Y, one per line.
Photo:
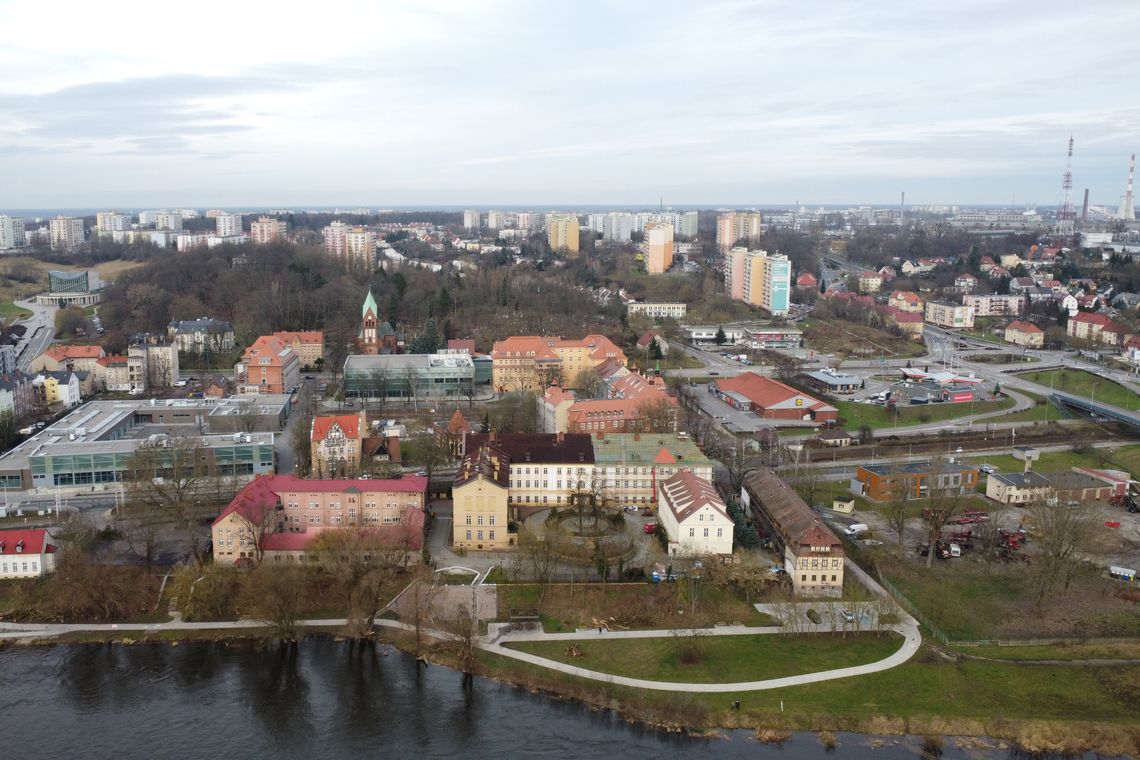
column 480, row 535
column 491, row 520
column 692, row 532
column 720, row 532
column 491, row 535
column 706, row 532
column 479, row 519
column 468, row 535
column 468, row 521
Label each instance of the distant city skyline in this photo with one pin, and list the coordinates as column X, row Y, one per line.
column 444, row 103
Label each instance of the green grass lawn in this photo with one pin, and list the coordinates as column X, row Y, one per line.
column 1068, row 652
column 856, row 415
column 1086, row 384
column 1043, row 411
column 975, row 693
column 1125, row 457
column 11, row 311
column 722, row 659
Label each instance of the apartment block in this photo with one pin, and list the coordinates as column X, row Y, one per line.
column 759, row 279
column 658, row 247
column 66, row 232
column 12, row 233
column 995, row 305
column 268, row 366
column 734, row 226
column 562, row 232
column 228, row 225
column 950, row 315
column 266, row 230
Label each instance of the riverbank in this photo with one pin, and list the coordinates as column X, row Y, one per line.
column 1039, row 708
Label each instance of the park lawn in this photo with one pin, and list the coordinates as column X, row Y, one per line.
column 966, row 697
column 1042, row 411
column 567, row 607
column 1086, row 384
column 721, row 659
column 12, row 312
column 857, row 415
column 850, row 339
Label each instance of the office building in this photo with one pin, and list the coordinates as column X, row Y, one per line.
column 658, row 247
column 562, row 233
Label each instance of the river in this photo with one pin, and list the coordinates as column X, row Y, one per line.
column 324, row 698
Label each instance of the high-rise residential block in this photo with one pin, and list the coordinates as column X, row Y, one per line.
column 562, row 232
column 228, row 225
column 526, row 220
column 66, row 232
column 737, row 225
column 686, row 224
column 658, row 247
column 618, row 227
column 333, row 236
column 112, row 221
column 596, row 223
column 471, row 220
column 360, row 248
column 496, row 220
column 759, row 279
column 266, row 230
column 168, row 220
column 12, row 233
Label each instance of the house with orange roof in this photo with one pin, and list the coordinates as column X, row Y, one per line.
column 335, row 443
column 274, row 517
column 906, row 300
column 694, row 516
column 531, row 362
column 268, row 366
column 309, row 345
column 553, row 409
column 27, row 553
column 771, row 399
column 71, row 358
column 1024, row 334
column 121, row 374
column 1096, row 328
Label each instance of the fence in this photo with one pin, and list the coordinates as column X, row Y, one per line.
column 941, row 635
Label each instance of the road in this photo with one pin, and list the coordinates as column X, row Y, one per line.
column 40, row 332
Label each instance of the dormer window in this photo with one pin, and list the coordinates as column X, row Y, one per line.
column 20, row 546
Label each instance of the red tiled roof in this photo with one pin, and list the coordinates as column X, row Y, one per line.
column 686, row 494
column 458, row 424
column 266, row 346
column 107, row 361
column 348, row 423
column 806, row 280
column 33, row 541
column 461, row 344
column 664, row 457
column 260, row 494
column 765, row 392
column 313, row 336
column 1025, row 327
column 59, row 353
column 646, row 339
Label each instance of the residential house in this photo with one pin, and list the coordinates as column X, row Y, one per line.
column 995, row 305
column 121, row 374
column 201, row 336
column 807, row 281
column 1096, row 328
column 694, row 516
column 57, row 388
column 335, row 443
column 553, row 409
column 1024, row 334
column 950, row 315
column 918, row 480
column 650, row 338
column 217, row 386
column 27, row 553
column 835, row 438
column 813, row 556
column 911, row 324
column 310, row 346
column 74, row 358
column 17, row 395
column 1021, row 285
column 771, row 399
column 268, row 366
column 966, row 282
column 274, row 517
column 905, row 300
column 158, row 357
column 870, row 282
column 481, row 498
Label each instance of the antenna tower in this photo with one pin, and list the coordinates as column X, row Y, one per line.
column 1065, row 210
column 1127, row 210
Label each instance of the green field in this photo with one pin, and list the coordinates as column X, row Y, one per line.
column 856, row 415
column 1042, row 411
column 1125, row 457
column 719, row 659
column 1086, row 384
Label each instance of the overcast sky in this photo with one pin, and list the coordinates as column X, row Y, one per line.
column 537, row 103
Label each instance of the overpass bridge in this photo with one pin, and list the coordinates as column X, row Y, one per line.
column 1114, row 413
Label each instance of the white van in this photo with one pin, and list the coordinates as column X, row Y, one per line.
column 856, row 530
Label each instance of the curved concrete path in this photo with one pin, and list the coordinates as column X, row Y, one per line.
column 909, row 631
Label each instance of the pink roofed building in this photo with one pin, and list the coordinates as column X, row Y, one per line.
column 275, row 516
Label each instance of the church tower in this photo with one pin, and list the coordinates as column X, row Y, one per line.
column 368, row 340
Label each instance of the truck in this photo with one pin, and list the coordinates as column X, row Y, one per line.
column 858, row 529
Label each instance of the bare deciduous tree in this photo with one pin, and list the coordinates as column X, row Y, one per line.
column 1063, row 534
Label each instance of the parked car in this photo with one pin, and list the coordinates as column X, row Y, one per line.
column 847, row 615
column 650, row 527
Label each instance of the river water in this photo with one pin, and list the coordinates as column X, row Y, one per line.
column 327, row 699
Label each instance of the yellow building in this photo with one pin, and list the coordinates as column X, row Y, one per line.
column 658, row 247
column 530, row 362
column 479, row 497
column 562, row 233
